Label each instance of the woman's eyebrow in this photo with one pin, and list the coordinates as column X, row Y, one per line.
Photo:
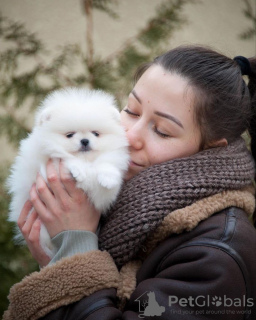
column 136, row 96
column 158, row 113
column 168, row 116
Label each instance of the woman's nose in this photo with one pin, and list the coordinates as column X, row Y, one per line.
column 135, row 136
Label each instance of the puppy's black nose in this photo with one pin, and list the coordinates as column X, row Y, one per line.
column 84, row 142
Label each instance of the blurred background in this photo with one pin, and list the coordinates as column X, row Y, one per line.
column 50, row 44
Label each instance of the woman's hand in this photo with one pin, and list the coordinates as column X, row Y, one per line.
column 62, row 206
column 30, row 226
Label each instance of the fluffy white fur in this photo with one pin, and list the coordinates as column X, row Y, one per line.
column 83, row 128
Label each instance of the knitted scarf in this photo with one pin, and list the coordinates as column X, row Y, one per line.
column 158, row 190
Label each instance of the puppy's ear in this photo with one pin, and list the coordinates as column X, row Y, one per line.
column 43, row 116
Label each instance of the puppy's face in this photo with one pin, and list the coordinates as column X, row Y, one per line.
column 83, row 144
column 80, row 127
column 75, row 142
column 87, row 143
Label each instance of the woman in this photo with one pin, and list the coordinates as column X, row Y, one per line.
column 178, row 243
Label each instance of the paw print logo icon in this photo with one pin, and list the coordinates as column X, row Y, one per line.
column 216, row 301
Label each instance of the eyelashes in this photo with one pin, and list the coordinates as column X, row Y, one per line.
column 161, row 134
column 131, row 113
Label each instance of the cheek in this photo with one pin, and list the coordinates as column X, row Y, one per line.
column 158, row 153
column 71, row 145
column 102, row 143
column 171, row 150
column 193, row 143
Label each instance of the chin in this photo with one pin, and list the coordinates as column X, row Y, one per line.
column 81, row 127
column 132, row 172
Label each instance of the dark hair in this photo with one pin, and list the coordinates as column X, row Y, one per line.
column 224, row 105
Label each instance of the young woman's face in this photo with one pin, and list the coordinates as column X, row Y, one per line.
column 159, row 120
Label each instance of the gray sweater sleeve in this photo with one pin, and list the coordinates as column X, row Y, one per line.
column 68, row 243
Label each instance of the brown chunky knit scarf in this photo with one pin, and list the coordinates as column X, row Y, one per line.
column 155, row 192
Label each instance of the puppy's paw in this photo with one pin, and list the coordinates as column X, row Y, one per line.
column 78, row 174
column 109, row 178
column 74, row 172
column 107, row 181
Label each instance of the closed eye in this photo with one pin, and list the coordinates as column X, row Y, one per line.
column 161, row 134
column 131, row 113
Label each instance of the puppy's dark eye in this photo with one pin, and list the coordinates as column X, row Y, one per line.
column 95, row 133
column 70, row 134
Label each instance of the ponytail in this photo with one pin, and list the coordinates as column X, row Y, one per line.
column 248, row 67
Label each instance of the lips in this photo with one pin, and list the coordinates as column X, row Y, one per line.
column 135, row 164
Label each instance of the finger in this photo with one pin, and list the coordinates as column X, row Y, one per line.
column 38, row 205
column 25, row 230
column 67, row 180
column 34, row 234
column 45, row 193
column 34, row 244
column 24, row 213
column 55, row 182
column 69, row 183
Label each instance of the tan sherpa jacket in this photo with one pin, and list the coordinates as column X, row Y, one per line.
column 199, row 264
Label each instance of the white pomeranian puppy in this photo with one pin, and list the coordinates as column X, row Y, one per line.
column 81, row 127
